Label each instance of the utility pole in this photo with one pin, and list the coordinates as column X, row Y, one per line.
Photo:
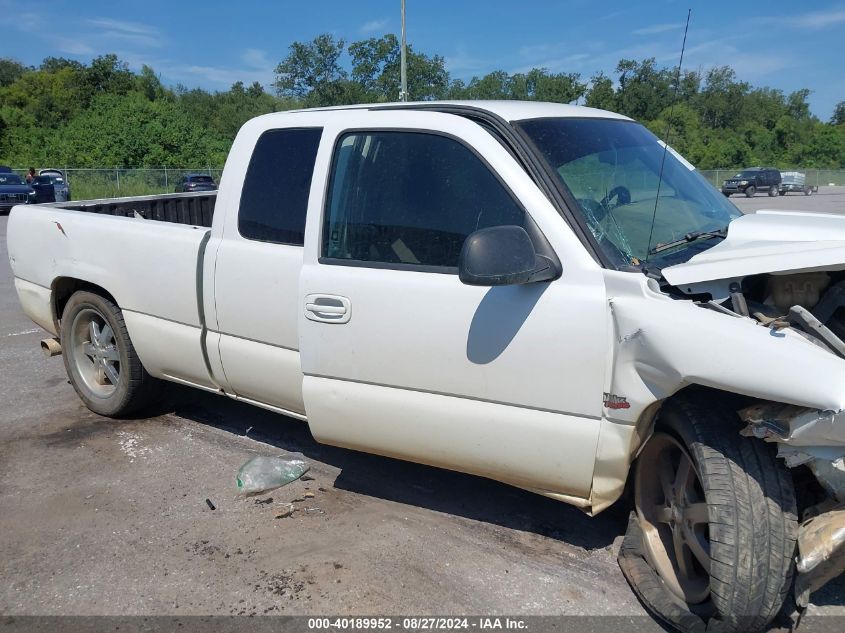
column 403, row 61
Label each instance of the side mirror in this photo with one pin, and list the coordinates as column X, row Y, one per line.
column 500, row 256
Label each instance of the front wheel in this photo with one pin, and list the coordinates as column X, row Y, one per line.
column 100, row 360
column 773, row 191
column 749, row 193
column 715, row 524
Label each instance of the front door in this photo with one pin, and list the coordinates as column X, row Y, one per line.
column 401, row 358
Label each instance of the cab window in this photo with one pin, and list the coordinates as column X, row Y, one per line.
column 409, row 200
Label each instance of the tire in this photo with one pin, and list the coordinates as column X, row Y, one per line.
column 773, row 191
column 750, row 191
column 100, row 360
column 781, row 193
column 726, row 194
column 738, row 517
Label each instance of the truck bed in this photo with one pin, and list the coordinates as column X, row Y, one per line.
column 193, row 209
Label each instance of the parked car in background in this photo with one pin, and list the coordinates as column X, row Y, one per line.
column 5, row 169
column 795, row 181
column 13, row 190
column 196, row 182
column 51, row 186
column 750, row 181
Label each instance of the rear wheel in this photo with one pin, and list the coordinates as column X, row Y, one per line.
column 99, row 357
column 715, row 523
column 750, row 191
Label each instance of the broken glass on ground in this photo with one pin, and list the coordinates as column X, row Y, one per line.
column 267, row 473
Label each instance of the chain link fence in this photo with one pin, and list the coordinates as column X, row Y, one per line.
column 88, row 184
column 817, row 177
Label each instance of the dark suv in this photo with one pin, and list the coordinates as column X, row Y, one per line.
column 750, row 181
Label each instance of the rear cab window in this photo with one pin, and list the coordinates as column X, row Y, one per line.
column 408, row 200
column 275, row 193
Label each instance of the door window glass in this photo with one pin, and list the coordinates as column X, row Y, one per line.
column 410, row 199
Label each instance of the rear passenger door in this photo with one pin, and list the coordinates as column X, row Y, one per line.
column 256, row 278
column 401, row 358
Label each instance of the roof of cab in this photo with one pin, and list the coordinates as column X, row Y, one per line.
column 508, row 110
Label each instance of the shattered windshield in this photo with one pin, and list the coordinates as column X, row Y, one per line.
column 612, row 168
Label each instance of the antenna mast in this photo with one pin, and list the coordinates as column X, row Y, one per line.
column 666, row 136
column 403, row 61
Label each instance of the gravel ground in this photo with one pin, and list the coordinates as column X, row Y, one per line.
column 101, row 517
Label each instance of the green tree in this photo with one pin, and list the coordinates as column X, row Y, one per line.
column 376, row 67
column 131, row 131
column 10, row 71
column 722, row 98
column 55, row 64
column 313, row 74
column 108, row 75
column 838, row 117
column 644, row 89
column 601, row 93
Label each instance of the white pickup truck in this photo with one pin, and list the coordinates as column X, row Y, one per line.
column 541, row 294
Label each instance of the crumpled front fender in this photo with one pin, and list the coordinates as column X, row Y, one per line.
column 663, row 345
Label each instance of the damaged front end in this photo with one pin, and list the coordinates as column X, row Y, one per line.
column 815, row 439
column 761, row 315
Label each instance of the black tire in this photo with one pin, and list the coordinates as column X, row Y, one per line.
column 726, row 194
column 782, row 193
column 134, row 388
column 750, row 526
column 773, row 191
column 750, row 191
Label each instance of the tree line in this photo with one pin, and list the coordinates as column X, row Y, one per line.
column 67, row 113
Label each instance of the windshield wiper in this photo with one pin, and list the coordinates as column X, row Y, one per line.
column 689, row 237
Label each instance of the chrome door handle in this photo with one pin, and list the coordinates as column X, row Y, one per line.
column 327, row 308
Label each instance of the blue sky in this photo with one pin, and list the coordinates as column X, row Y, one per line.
column 212, row 44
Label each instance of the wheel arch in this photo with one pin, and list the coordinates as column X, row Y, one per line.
column 63, row 288
column 609, row 491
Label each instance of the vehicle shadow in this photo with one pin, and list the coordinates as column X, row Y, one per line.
column 458, row 494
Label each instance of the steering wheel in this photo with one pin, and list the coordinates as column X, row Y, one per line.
column 622, row 195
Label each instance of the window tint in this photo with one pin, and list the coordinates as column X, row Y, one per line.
column 275, row 194
column 410, row 198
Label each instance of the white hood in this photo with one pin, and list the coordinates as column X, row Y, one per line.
column 768, row 242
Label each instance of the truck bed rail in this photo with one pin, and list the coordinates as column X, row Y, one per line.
column 194, row 209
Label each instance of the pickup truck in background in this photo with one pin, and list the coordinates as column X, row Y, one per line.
column 536, row 293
